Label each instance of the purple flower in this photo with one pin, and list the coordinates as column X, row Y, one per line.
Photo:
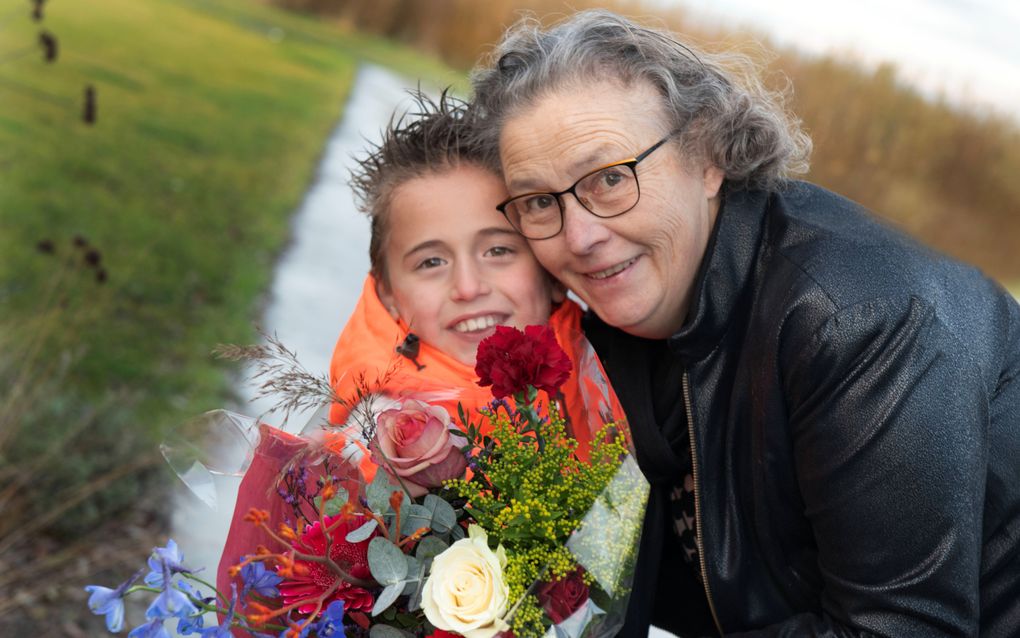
column 104, row 601
column 257, row 578
column 151, row 629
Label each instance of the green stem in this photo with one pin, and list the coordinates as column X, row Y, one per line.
column 525, row 406
column 134, row 588
column 219, row 594
column 201, row 604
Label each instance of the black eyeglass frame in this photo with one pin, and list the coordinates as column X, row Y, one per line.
column 629, row 163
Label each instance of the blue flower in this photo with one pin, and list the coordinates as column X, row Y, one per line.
column 104, row 601
column 152, row 629
column 169, row 556
column 332, row 621
column 257, row 578
column 190, row 625
column 171, row 602
column 223, row 630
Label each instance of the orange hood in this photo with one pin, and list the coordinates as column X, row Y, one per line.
column 365, row 360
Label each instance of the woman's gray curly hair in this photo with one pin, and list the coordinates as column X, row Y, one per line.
column 717, row 103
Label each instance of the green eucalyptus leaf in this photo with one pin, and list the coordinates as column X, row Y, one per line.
column 378, row 492
column 414, row 598
column 413, row 517
column 408, row 620
column 333, row 505
column 387, row 597
column 387, row 631
column 429, row 547
column 443, row 517
column 386, row 561
column 362, row 532
column 414, row 569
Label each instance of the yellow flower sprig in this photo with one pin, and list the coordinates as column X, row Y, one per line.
column 532, row 493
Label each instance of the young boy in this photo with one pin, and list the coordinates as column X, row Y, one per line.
column 446, row 266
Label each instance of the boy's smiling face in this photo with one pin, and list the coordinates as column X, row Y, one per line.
column 455, row 267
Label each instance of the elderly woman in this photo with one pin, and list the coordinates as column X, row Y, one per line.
column 829, row 413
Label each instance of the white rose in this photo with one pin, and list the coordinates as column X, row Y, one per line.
column 465, row 591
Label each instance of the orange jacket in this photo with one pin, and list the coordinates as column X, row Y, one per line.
column 365, row 359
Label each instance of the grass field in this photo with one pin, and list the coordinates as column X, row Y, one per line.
column 210, row 119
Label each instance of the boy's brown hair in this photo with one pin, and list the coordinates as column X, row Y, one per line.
column 432, row 137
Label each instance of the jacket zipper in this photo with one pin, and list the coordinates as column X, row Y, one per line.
column 697, row 502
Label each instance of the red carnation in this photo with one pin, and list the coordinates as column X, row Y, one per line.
column 318, row 579
column 510, row 360
column 442, row 633
column 563, row 597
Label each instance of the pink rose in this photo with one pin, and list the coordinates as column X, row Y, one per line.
column 419, row 446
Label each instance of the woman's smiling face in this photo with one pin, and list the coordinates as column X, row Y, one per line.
column 637, row 270
column 455, row 268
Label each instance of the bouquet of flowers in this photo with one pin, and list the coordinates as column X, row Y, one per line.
column 499, row 527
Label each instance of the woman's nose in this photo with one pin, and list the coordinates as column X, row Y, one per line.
column 582, row 231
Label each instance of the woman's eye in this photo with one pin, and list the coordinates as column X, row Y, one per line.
column 430, row 262
column 540, row 202
column 610, row 178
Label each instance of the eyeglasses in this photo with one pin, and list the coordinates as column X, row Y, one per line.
column 609, row 191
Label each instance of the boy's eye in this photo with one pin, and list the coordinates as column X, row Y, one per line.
column 499, row 251
column 429, row 262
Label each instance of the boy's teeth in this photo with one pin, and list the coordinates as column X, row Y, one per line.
column 609, row 272
column 476, row 323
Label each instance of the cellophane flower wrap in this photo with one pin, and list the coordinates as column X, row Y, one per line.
column 411, row 521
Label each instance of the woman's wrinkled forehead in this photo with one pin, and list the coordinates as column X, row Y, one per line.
column 568, row 132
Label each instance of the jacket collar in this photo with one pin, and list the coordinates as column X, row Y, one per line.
column 724, row 274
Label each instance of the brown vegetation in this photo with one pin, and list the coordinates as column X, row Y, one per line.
column 946, row 175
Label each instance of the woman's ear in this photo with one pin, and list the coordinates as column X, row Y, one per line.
column 387, row 299
column 712, row 180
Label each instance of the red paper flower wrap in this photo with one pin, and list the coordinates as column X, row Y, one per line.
column 511, row 360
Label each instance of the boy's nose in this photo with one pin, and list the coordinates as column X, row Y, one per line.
column 468, row 282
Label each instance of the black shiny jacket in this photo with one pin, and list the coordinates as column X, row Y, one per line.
column 855, row 406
